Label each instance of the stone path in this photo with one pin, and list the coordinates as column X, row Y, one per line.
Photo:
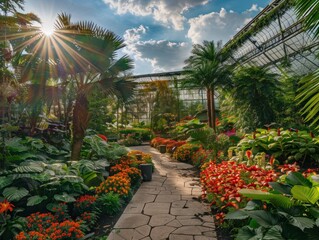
column 166, row 207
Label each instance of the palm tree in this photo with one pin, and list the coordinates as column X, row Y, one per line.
column 255, row 96
column 308, row 95
column 205, row 69
column 89, row 60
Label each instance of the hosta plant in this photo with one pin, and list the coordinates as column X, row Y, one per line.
column 289, row 210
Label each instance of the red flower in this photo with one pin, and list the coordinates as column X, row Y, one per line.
column 103, row 137
column 278, row 132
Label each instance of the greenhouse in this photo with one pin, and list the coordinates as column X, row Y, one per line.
column 190, row 120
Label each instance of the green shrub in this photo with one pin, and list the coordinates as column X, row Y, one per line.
column 143, row 134
column 109, row 203
column 185, row 152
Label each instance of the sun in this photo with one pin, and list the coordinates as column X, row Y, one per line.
column 47, row 31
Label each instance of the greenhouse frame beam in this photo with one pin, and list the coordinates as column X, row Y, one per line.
column 276, row 40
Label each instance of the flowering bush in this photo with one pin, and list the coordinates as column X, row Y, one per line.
column 184, row 153
column 201, row 156
column 38, row 222
column 47, row 228
column 134, row 173
column 84, row 203
column 221, row 182
column 61, row 211
column 118, row 183
column 89, row 219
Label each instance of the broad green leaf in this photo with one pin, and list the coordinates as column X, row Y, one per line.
column 5, row 181
column 303, row 222
column 274, row 233
column 14, row 193
column 28, row 169
column 64, row 197
column 35, row 200
column 281, row 188
column 237, row 215
column 252, row 205
column 296, row 178
column 314, row 211
column 264, row 218
column 276, row 199
column 306, row 194
column 248, row 233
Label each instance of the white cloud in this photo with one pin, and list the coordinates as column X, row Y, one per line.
column 217, row 26
column 254, row 8
column 160, row 55
column 167, row 12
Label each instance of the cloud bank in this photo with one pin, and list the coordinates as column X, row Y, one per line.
column 167, row 12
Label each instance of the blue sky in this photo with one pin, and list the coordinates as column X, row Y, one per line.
column 159, row 33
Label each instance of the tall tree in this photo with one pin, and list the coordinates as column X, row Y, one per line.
column 308, row 96
column 205, row 69
column 90, row 59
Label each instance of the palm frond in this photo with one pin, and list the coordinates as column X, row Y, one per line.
column 308, row 11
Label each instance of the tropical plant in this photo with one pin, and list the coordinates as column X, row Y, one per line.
column 309, row 91
column 255, row 97
column 288, row 211
column 284, row 145
column 205, row 69
column 92, row 52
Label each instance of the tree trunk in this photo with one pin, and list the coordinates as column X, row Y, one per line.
column 213, row 110
column 79, row 124
column 209, row 107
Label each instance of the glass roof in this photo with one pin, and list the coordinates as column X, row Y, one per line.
column 282, row 44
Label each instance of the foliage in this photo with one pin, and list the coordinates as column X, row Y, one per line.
column 18, row 150
column 96, row 148
column 307, row 10
column 255, row 97
column 142, row 134
column 109, row 203
column 308, row 95
column 289, row 210
column 130, row 141
column 284, row 145
column 37, row 182
column 10, row 223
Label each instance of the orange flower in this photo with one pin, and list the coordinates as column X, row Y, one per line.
column 6, row 206
column 248, row 154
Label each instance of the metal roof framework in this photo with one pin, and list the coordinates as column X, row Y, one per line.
column 282, row 44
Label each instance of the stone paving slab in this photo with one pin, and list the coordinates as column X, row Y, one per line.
column 167, row 207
